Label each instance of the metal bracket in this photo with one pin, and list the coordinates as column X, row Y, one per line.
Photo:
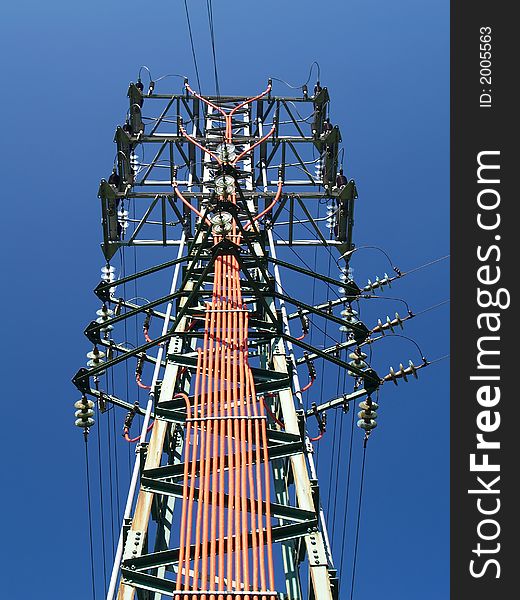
column 134, row 544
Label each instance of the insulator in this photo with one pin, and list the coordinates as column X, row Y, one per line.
column 84, row 413
column 402, row 373
column 139, row 85
column 96, row 359
column 84, row 403
column 108, row 273
column 134, row 162
column 378, row 283
column 380, row 327
column 127, row 127
column 349, row 317
column 366, row 406
column 224, row 184
column 226, row 152
column 318, row 174
column 122, row 217
column 358, row 329
column 367, row 425
column 345, row 274
column 220, row 230
column 221, row 223
column 413, row 369
column 102, row 320
column 104, row 315
column 331, row 222
column 104, row 312
column 363, row 414
column 358, row 361
column 84, row 424
column 362, row 365
column 95, row 354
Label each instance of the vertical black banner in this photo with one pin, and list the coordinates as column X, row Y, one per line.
column 485, row 440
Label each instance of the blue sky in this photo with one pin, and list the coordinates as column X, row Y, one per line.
column 65, row 71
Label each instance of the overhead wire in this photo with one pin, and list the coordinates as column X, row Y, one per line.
column 89, row 507
column 101, row 502
column 432, row 262
column 116, row 461
column 110, row 481
column 324, row 365
column 326, row 246
column 295, row 87
column 328, row 285
column 137, row 296
column 192, row 45
column 347, row 494
column 358, row 519
column 434, row 306
column 127, row 374
column 393, row 335
column 335, row 457
column 148, row 71
column 336, row 488
column 209, row 6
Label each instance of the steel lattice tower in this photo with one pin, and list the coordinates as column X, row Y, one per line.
column 224, row 497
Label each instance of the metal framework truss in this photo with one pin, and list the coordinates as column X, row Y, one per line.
column 228, row 181
column 302, row 149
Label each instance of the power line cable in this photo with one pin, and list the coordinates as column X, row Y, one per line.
column 92, row 573
column 116, row 462
column 425, row 310
column 209, row 6
column 338, row 461
column 110, row 482
column 358, row 518
column 295, row 87
column 127, row 373
column 192, row 45
column 334, row 453
column 347, row 494
column 102, row 504
column 432, row 262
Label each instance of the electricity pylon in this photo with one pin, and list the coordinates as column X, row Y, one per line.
column 224, row 496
